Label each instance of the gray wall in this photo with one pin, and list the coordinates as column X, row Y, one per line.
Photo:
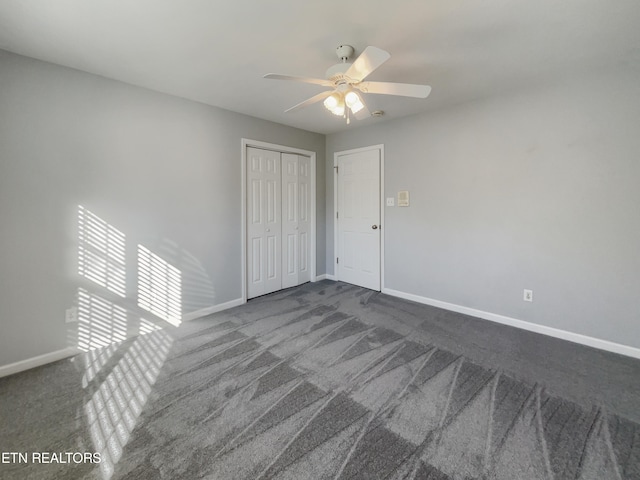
column 534, row 189
column 162, row 170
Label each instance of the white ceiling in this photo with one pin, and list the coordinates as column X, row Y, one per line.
column 216, row 51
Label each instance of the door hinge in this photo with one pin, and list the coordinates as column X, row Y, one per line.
column 336, row 167
column 336, row 214
column 337, row 259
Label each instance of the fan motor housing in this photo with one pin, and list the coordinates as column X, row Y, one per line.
column 336, row 72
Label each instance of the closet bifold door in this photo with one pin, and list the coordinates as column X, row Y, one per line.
column 264, row 225
column 295, row 219
column 304, row 219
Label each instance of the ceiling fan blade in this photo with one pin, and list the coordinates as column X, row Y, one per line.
column 390, row 88
column 317, row 81
column 367, row 62
column 309, row 101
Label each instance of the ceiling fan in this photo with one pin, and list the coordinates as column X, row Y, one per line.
column 346, row 81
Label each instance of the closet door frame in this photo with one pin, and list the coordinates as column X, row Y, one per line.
column 246, row 143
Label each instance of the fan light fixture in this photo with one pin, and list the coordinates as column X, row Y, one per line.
column 337, row 102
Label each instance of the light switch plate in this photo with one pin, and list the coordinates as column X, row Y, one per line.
column 391, row 202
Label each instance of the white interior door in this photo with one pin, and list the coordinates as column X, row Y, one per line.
column 358, row 219
column 295, row 219
column 264, row 226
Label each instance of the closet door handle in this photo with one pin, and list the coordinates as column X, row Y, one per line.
column 375, row 227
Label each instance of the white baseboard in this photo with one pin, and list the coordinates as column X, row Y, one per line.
column 514, row 322
column 29, row 363
column 33, row 362
column 606, row 345
column 213, row 309
column 325, row 276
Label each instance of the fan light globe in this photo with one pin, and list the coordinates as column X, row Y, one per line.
column 335, row 103
column 356, row 107
column 331, row 102
column 351, row 98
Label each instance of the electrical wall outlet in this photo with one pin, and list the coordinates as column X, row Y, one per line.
column 528, row 295
column 391, row 202
column 71, row 315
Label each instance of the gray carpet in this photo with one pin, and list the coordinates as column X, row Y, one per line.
column 330, row 381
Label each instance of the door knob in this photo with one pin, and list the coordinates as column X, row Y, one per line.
column 375, row 227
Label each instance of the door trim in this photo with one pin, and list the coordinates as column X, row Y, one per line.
column 247, row 142
column 380, row 148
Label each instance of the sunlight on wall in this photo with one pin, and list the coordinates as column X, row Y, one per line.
column 101, row 252
column 100, row 322
column 159, row 287
column 119, row 376
column 116, row 404
column 198, row 291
